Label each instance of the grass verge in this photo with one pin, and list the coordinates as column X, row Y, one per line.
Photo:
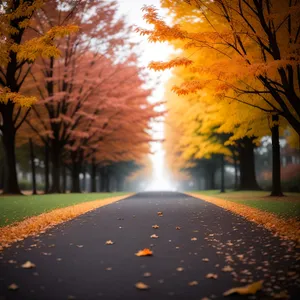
column 17, row 208
column 286, row 227
column 38, row 224
column 284, row 207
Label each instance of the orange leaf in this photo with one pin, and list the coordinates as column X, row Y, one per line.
column 142, row 286
column 144, row 252
column 246, row 290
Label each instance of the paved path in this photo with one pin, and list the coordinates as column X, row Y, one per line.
column 73, row 262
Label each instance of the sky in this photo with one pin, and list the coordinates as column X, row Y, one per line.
column 157, row 52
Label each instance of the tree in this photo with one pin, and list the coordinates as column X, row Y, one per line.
column 17, row 56
column 65, row 85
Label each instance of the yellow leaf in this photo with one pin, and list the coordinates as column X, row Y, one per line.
column 194, row 239
column 193, row 283
column 28, row 265
column 246, row 290
column 142, row 286
column 144, row 252
column 109, row 242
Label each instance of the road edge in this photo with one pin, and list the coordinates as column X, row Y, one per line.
column 40, row 223
column 285, row 228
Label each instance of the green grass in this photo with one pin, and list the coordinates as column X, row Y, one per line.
column 286, row 207
column 17, row 208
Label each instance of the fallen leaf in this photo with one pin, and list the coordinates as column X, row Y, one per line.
column 79, row 246
column 147, row 274
column 159, row 213
column 211, row 276
column 246, row 290
column 141, row 286
column 155, row 226
column 108, row 269
column 154, row 236
column 178, row 228
column 28, row 265
column 193, row 283
column 179, row 269
column 205, row 259
column 227, row 269
column 109, row 242
column 194, row 239
column 13, row 287
column 11, row 261
column 144, row 252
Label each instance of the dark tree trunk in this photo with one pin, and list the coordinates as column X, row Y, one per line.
column 105, row 180
column 210, row 183
column 46, row 190
column 64, row 179
column 32, row 167
column 75, row 177
column 55, row 159
column 11, row 185
column 247, row 165
column 1, row 174
column 93, row 176
column 276, row 181
column 222, row 174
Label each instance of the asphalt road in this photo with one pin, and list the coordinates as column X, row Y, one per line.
column 73, row 262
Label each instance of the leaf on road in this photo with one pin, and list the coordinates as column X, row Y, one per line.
column 227, row 269
column 160, row 213
column 154, row 236
column 147, row 274
column 211, row 276
column 205, row 259
column 194, row 239
column 13, row 287
column 108, row 269
column 178, row 228
column 28, row 265
column 155, row 226
column 109, row 242
column 80, row 246
column 246, row 290
column 179, row 269
column 11, row 261
column 141, row 286
column 144, row 252
column 193, row 283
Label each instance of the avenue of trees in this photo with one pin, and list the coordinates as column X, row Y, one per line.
column 71, row 94
column 235, row 80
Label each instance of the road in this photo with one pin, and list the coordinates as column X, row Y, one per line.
column 73, row 261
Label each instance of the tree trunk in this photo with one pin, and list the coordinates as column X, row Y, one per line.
column 84, row 178
column 46, row 162
column 247, row 165
column 64, row 179
column 222, row 174
column 55, row 159
column 75, row 177
column 32, row 167
column 93, row 176
column 105, row 182
column 11, row 185
column 276, row 181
